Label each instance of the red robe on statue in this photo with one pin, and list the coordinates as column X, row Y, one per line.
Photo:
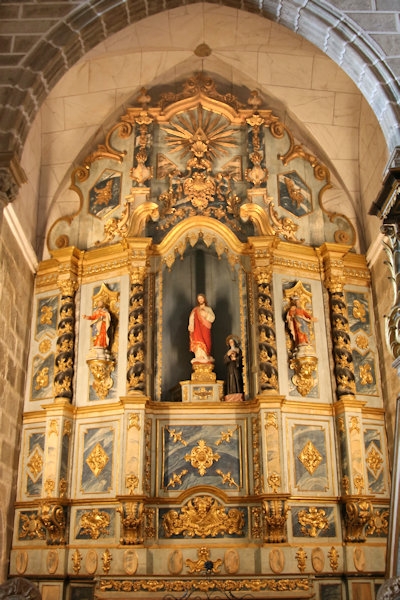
column 200, row 337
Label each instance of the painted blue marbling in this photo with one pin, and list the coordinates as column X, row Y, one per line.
column 91, row 483
column 358, row 312
column 35, row 445
column 106, row 534
column 47, row 315
column 318, row 480
column 321, row 533
column 174, row 453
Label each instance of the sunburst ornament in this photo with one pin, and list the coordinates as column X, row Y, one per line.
column 202, row 133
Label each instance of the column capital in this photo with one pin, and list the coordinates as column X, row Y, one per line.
column 12, row 176
column 333, row 262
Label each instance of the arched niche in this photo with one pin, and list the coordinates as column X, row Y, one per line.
column 199, row 256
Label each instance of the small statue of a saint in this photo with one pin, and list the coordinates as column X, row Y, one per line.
column 101, row 323
column 200, row 323
column 299, row 321
column 234, row 365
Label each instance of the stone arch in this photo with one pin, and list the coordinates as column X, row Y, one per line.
column 331, row 30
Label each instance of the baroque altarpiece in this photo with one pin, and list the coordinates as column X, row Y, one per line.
column 139, row 474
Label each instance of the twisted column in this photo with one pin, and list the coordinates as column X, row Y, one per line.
column 136, row 375
column 333, row 261
column 267, row 353
column 64, row 359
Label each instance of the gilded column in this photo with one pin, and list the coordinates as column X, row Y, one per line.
column 67, row 282
column 348, row 410
column 266, row 343
column 333, row 262
column 136, row 372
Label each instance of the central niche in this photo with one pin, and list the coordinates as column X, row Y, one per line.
column 201, row 270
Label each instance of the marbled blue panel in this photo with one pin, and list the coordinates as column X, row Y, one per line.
column 374, row 461
column 364, row 371
column 318, row 480
column 30, row 527
column 47, row 315
column 64, row 457
column 35, row 448
column 103, row 533
column 358, row 312
column 294, row 195
column 105, row 194
column 42, row 377
column 321, row 533
column 344, row 458
column 174, row 453
column 102, row 482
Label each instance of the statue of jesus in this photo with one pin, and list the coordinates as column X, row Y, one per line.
column 200, row 322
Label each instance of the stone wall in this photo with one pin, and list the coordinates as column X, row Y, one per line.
column 16, row 288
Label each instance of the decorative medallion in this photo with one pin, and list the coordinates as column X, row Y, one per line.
column 374, row 460
column 202, row 457
column 35, row 464
column 97, row 460
column 310, row 457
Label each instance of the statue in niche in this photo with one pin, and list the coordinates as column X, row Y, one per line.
column 101, row 323
column 233, row 377
column 299, row 321
column 200, row 323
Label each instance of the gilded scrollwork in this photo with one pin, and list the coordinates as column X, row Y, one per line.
column 227, row 586
column 101, row 370
column 95, row 523
column 203, row 516
column 301, row 557
column 226, row 478
column 312, row 521
column 53, row 518
column 358, row 514
column 203, row 562
column 176, row 436
column 176, row 478
column 31, row 527
column 76, row 561
column 226, row 436
column 132, row 519
column 106, row 558
column 275, row 518
column 333, row 556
